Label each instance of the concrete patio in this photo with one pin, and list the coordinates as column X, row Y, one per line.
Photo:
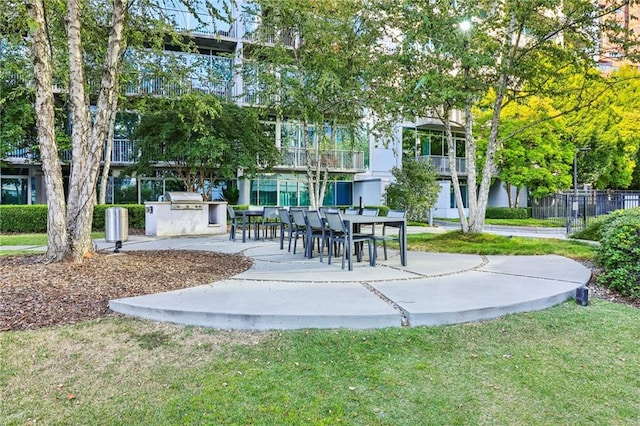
column 287, row 291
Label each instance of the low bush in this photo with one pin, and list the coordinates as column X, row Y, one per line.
column 593, row 230
column 135, row 215
column 33, row 218
column 507, row 213
column 619, row 252
column 27, row 219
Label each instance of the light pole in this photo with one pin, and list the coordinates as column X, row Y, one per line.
column 575, row 180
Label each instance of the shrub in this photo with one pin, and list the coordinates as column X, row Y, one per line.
column 135, row 214
column 619, row 252
column 415, row 189
column 507, row 213
column 593, row 230
column 33, row 218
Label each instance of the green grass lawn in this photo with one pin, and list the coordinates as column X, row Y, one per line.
column 457, row 242
column 562, row 366
column 33, row 239
column 516, row 222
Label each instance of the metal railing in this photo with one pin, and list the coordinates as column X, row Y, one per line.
column 203, row 25
column 257, row 32
column 574, row 211
column 442, row 164
column 334, row 159
column 164, row 86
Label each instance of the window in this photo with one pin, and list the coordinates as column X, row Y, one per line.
column 463, row 190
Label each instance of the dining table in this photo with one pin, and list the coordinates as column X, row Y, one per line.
column 247, row 216
column 354, row 221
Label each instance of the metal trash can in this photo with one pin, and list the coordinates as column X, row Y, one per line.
column 116, row 226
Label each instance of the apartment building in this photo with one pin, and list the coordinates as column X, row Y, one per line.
column 611, row 54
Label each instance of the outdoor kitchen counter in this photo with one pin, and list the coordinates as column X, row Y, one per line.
column 188, row 217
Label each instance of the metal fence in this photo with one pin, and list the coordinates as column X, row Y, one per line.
column 574, row 211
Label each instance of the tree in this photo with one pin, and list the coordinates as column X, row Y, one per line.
column 311, row 62
column 415, row 189
column 514, row 48
column 201, row 140
column 609, row 128
column 59, row 42
column 535, row 152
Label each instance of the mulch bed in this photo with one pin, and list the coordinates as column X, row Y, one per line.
column 34, row 293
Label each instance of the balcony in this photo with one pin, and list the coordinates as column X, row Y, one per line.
column 442, row 164
column 164, row 86
column 336, row 160
column 257, row 32
column 205, row 25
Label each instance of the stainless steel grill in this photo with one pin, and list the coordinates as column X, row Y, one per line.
column 182, row 200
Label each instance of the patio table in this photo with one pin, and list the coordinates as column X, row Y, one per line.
column 248, row 214
column 372, row 220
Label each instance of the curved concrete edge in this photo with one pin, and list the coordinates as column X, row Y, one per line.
column 238, row 321
column 264, row 305
column 486, row 313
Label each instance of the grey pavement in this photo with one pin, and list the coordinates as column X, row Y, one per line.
column 287, row 291
column 520, row 231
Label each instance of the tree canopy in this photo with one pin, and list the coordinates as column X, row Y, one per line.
column 513, row 49
column 202, row 140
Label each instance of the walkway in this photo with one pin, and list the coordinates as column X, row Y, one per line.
column 286, row 291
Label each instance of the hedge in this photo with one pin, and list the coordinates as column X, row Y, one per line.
column 507, row 213
column 33, row 218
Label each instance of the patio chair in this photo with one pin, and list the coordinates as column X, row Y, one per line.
column 235, row 223
column 316, row 232
column 324, row 210
column 339, row 233
column 286, row 226
column 270, row 221
column 351, row 211
column 368, row 229
column 370, row 212
column 299, row 227
column 400, row 214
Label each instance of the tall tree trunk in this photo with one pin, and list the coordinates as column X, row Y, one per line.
column 470, row 156
column 104, row 177
column 507, row 188
column 88, row 140
column 517, row 197
column 454, row 170
column 476, row 217
column 45, row 121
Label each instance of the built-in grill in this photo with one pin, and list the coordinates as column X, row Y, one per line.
column 182, row 200
column 184, row 213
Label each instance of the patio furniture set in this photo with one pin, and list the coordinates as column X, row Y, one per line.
column 328, row 228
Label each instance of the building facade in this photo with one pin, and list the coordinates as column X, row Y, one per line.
column 359, row 169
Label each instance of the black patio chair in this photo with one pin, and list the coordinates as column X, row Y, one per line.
column 299, row 227
column 316, row 232
column 235, row 223
column 286, row 227
column 270, row 221
column 400, row 214
column 339, row 234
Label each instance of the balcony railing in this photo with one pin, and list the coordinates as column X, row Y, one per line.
column 257, row 32
column 443, row 166
column 163, row 86
column 296, row 158
column 206, row 25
